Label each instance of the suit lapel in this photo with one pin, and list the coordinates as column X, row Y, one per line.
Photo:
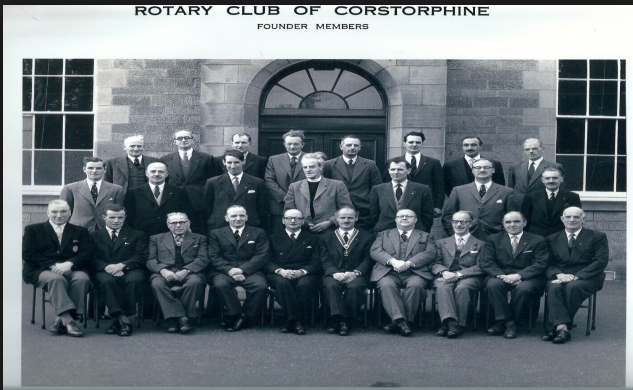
column 561, row 245
column 395, row 239
column 121, row 165
column 339, row 165
column 250, row 160
column 474, row 192
column 168, row 241
column 321, row 188
column 387, row 193
column 541, row 201
column 414, row 237
column 522, row 173
column 492, row 191
column 175, row 165
column 507, row 245
column 561, row 199
column 147, row 192
column 194, row 163
column 450, row 247
column 228, row 232
column 537, row 173
column 186, row 243
column 468, row 246
column 523, row 242
column 246, row 235
column 119, row 241
column 294, row 247
column 242, row 187
column 462, row 170
column 305, row 190
column 168, row 193
column 227, row 186
column 50, row 232
column 104, row 191
column 65, row 236
column 359, row 168
column 85, row 191
column 408, row 195
column 582, row 243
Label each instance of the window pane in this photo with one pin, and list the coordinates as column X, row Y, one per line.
column 78, row 95
column 26, row 168
column 622, row 137
column 48, row 94
column 600, row 172
column 572, row 97
column 73, row 170
column 48, row 167
column 572, row 69
column 601, row 136
column 366, row 99
column 570, row 136
column 603, row 98
column 623, row 98
column 48, row 67
column 324, row 79
column 79, row 67
column 573, row 171
column 350, row 83
column 323, row 101
column 623, row 69
column 27, row 67
column 603, row 69
column 298, row 82
column 27, row 131
column 27, row 93
column 620, row 183
column 48, row 131
column 280, row 98
column 79, row 132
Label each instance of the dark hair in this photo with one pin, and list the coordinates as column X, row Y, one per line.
column 554, row 169
column 113, row 207
column 414, row 133
column 398, row 160
column 295, row 133
column 241, row 135
column 473, row 136
column 90, row 159
column 349, row 136
column 233, row 153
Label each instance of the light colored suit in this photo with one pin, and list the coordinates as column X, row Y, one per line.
column 330, row 196
column 517, row 178
column 86, row 212
column 278, row 178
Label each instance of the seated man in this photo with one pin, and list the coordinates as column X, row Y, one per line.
column 294, row 270
column 238, row 256
column 346, row 264
column 515, row 262
column 55, row 253
column 459, row 275
column 578, row 257
column 403, row 256
column 178, row 259
column 118, row 266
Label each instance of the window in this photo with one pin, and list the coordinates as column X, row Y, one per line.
column 591, row 125
column 57, row 120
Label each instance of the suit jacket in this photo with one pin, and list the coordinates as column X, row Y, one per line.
column 85, row 212
column 428, row 172
column 416, row 197
column 420, row 252
column 359, row 259
column 487, row 212
column 201, row 168
column 254, row 165
column 468, row 259
column 534, row 207
column 117, row 170
column 130, row 248
column 250, row 254
column 162, row 252
column 456, row 173
column 530, row 259
column 41, row 249
column 278, row 177
column 143, row 213
column 303, row 253
column 588, row 259
column 517, row 178
column 219, row 194
column 330, row 196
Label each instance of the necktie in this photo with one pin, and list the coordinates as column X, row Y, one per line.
column 552, row 197
column 237, row 235
column 460, row 244
column 156, row 192
column 346, row 237
column 236, row 183
column 530, row 172
column 515, row 243
column 571, row 242
column 404, row 237
column 414, row 164
column 59, row 232
column 178, row 240
column 482, row 190
column 114, row 236
column 293, row 164
column 185, row 157
column 94, row 192
column 137, row 163
column 399, row 191
column 350, row 162
column 293, row 236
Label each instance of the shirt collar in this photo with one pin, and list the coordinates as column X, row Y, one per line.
column 478, row 184
column 110, row 231
column 239, row 177
column 298, row 156
column 315, row 180
column 408, row 156
column 575, row 233
column 189, row 152
column 468, row 159
column 288, row 232
column 55, row 226
column 140, row 158
column 349, row 232
column 403, row 184
column 549, row 193
column 536, row 163
column 239, row 230
column 97, row 182
column 518, row 235
column 161, row 186
column 408, row 233
column 346, row 159
column 465, row 237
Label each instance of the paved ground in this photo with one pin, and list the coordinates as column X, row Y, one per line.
column 262, row 357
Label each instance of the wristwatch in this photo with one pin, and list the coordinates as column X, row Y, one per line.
column 357, row 272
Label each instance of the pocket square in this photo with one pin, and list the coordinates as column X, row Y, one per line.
column 499, row 201
column 251, row 191
column 126, row 243
column 308, row 247
column 195, row 246
column 110, row 199
column 75, row 241
column 527, row 251
column 474, row 251
column 251, row 242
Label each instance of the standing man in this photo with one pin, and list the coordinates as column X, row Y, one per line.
column 346, row 266
column 294, row 271
column 55, row 254
column 459, row 172
column 234, row 188
column 424, row 170
column 544, row 207
column 238, row 255
column 317, row 197
column 254, row 165
column 358, row 174
column 400, row 193
column 88, row 198
column 118, row 265
column 403, row 256
column 525, row 177
column 129, row 171
column 578, row 257
column 515, row 261
column 459, row 277
column 178, row 259
column 488, row 201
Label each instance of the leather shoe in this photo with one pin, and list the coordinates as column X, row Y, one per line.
column 172, row 326
column 333, row 328
column 454, row 330
column 549, row 335
column 185, row 326
column 287, row 328
column 126, row 330
column 58, row 326
column 405, row 331
column 114, row 328
column 497, row 329
column 511, row 332
column 73, row 330
column 562, row 336
column 391, row 328
column 442, row 331
column 299, row 329
column 241, row 323
column 343, row 329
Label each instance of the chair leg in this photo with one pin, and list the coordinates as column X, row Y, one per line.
column 474, row 302
column 590, row 307
column 85, row 318
column 96, row 308
column 33, row 306
column 433, row 307
column 545, row 312
column 44, row 309
column 593, row 313
column 531, row 311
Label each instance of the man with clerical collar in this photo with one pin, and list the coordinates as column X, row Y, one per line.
column 129, row 171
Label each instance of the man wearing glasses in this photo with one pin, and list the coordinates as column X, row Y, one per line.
column 177, row 259
column 487, row 200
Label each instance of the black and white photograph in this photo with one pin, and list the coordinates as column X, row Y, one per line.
column 316, row 196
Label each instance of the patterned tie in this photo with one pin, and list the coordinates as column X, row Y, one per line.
column 156, row 192
column 572, row 242
column 346, row 237
column 399, row 191
column 293, row 164
column 94, row 192
column 531, row 172
column 237, row 235
column 482, row 190
column 414, row 164
column 404, row 237
column 552, row 197
column 350, row 162
column 178, row 239
column 137, row 163
column 293, row 236
column 114, row 236
column 236, row 183
column 185, row 157
column 515, row 243
column 460, row 244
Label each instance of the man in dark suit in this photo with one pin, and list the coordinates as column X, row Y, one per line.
column 358, row 174
column 87, row 198
column 459, row 276
column 458, row 172
column 346, row 266
column 254, row 165
column 294, row 271
column 118, row 265
column 488, row 201
column 424, row 169
column 578, row 257
column 400, row 193
column 147, row 206
column 544, row 207
column 238, row 255
column 403, row 257
column 525, row 177
column 129, row 171
column 234, row 188
column 178, row 259
column 515, row 261
column 55, row 254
